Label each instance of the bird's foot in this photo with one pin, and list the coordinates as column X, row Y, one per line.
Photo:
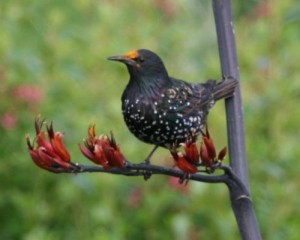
column 146, row 161
column 147, row 175
column 185, row 179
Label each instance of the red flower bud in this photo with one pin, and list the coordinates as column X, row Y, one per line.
column 99, row 156
column 86, row 152
column 185, row 165
column 59, row 147
column 191, row 152
column 38, row 160
column 119, row 159
column 205, row 158
column 210, row 147
column 43, row 142
column 222, row 153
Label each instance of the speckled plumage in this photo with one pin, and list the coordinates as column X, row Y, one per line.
column 162, row 110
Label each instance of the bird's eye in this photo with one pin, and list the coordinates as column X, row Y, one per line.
column 141, row 59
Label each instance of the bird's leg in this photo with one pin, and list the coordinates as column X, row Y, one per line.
column 147, row 159
column 148, row 174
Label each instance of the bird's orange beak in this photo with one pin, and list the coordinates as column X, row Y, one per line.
column 127, row 58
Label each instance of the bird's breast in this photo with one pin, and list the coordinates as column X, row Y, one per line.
column 152, row 123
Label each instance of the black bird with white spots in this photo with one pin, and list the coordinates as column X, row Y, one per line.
column 162, row 110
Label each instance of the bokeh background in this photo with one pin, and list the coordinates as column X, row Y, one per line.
column 53, row 62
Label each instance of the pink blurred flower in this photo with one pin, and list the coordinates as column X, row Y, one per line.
column 167, row 7
column 176, row 184
column 135, row 197
column 9, row 120
column 263, row 9
column 29, row 94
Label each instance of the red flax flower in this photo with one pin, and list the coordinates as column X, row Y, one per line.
column 102, row 150
column 187, row 162
column 184, row 164
column 191, row 150
column 208, row 153
column 50, row 152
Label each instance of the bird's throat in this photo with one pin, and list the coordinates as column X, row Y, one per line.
column 148, row 86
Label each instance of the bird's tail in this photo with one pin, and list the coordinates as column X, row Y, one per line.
column 225, row 88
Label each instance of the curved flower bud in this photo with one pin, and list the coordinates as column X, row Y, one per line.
column 56, row 140
column 208, row 151
column 210, row 147
column 191, row 151
column 222, row 154
column 205, row 158
column 185, row 165
column 182, row 162
column 100, row 157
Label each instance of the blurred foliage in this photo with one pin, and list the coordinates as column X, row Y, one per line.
column 53, row 62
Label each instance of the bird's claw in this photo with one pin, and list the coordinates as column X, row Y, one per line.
column 147, row 175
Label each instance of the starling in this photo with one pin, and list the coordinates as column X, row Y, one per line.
column 161, row 110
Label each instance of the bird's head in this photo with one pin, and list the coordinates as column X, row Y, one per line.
column 142, row 64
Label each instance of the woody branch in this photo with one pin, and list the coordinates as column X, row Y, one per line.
column 49, row 153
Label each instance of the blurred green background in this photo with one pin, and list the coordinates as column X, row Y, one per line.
column 53, row 62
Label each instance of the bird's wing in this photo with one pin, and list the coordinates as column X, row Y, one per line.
column 185, row 98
